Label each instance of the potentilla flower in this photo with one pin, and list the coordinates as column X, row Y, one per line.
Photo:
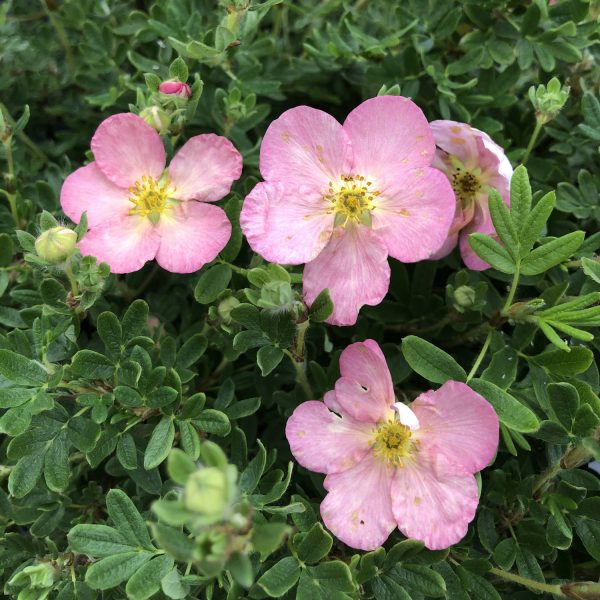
column 474, row 164
column 341, row 198
column 138, row 211
column 392, row 465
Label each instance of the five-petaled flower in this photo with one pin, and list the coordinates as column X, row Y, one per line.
column 474, row 164
column 341, row 198
column 392, row 465
column 138, row 211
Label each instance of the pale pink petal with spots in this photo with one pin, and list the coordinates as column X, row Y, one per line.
column 305, row 147
column 365, row 390
column 388, row 134
column 88, row 190
column 458, row 139
column 459, row 423
column 205, row 168
column 433, row 500
column 358, row 507
column 354, row 267
column 126, row 243
column 325, row 442
column 414, row 216
column 126, row 148
column 481, row 223
column 285, row 224
column 191, row 235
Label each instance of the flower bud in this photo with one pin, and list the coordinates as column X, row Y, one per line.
column 156, row 117
column 175, row 88
column 225, row 307
column 582, row 590
column 206, row 491
column 548, row 100
column 56, row 244
column 464, row 296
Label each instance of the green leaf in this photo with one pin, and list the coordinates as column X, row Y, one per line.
column 591, row 268
column 92, row 365
column 113, row 570
column 505, row 553
column 212, row 283
column 97, row 540
column 191, row 351
column 21, row 370
column 492, row 252
column 552, row 253
column 326, row 579
column 213, row 421
column 431, row 362
column 127, row 452
column 423, row 580
column 240, row 567
column 145, row 582
column 25, row 474
column 134, row 320
column 160, row 444
column 567, row 364
column 267, row 358
column 267, row 537
column 180, row 466
column 503, row 223
column 281, row 577
column 110, row 332
column 520, row 197
column 7, row 249
column 321, row 308
column 510, row 411
column 57, row 469
column 564, row 401
column 386, row 588
column 251, row 475
column 127, row 519
column 178, row 70
column 315, row 545
column 535, row 222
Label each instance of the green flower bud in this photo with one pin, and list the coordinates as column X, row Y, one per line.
column 206, row 491
column 464, row 296
column 548, row 100
column 582, row 590
column 210, row 546
column 157, row 118
column 56, row 244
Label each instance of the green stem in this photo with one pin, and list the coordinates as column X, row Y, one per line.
column 234, row 268
column 301, row 330
column 532, row 141
column 301, row 377
column 72, row 280
column 480, row 356
column 513, row 289
column 530, row 583
column 12, row 198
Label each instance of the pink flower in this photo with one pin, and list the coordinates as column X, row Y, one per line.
column 389, row 465
column 341, row 198
column 474, row 164
column 175, row 88
column 138, row 211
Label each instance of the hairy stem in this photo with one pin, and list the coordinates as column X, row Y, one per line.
column 532, row 141
column 530, row 583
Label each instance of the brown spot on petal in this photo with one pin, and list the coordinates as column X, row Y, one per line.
column 403, row 212
column 417, row 500
column 455, row 129
column 457, row 140
column 285, row 136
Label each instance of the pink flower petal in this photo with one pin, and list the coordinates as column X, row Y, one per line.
column 126, row 148
column 357, row 509
column 447, row 247
column 87, row 190
column 481, row 223
column 305, row 147
column 413, row 217
column 286, row 225
column 433, row 500
column 205, row 168
column 354, row 267
column 365, row 390
column 458, row 139
column 126, row 243
column 459, row 423
column 191, row 235
column 389, row 134
column 324, row 442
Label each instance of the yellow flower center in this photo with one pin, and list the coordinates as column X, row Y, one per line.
column 150, row 197
column 465, row 185
column 393, row 443
column 352, row 200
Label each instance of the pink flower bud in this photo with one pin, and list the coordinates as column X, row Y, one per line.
column 175, row 88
